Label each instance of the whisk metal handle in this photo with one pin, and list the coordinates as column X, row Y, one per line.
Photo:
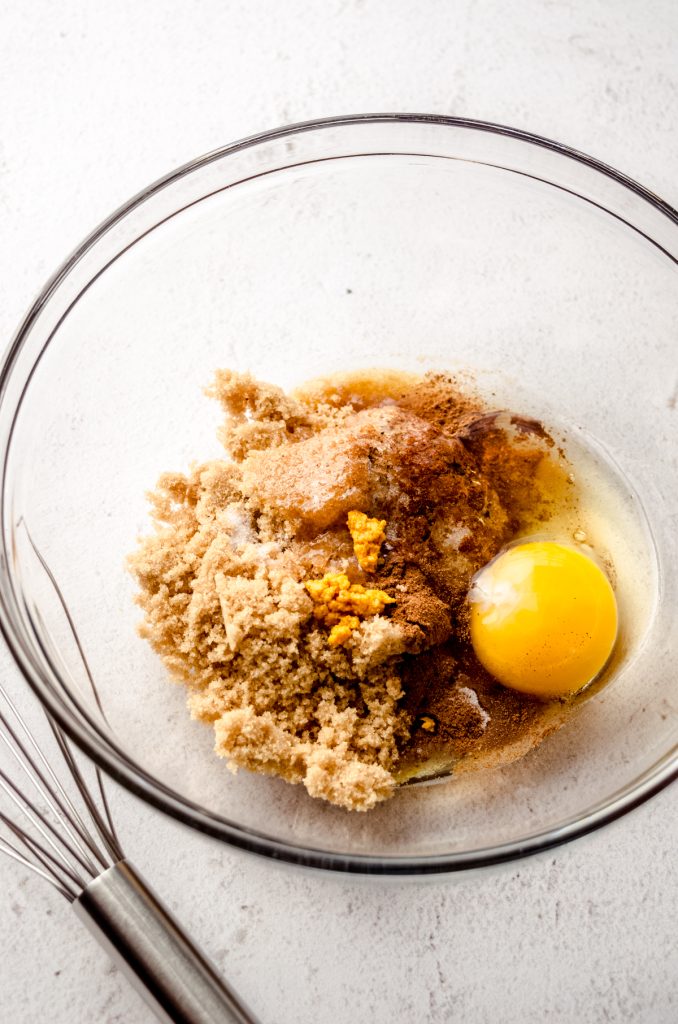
column 146, row 941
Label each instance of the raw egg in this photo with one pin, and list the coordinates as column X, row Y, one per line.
column 543, row 618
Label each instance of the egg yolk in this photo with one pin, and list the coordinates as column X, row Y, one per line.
column 543, row 618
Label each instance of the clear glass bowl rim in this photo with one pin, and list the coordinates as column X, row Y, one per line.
column 150, row 789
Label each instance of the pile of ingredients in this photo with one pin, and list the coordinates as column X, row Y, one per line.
column 366, row 589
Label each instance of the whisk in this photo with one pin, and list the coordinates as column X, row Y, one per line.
column 64, row 832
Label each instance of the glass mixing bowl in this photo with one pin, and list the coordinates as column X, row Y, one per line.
column 412, row 242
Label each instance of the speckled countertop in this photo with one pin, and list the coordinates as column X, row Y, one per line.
column 97, row 100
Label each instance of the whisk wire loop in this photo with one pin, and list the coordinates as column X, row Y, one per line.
column 109, row 826
column 48, row 786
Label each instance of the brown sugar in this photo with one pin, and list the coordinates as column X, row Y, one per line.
column 231, row 582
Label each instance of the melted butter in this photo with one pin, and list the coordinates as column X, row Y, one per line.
column 360, row 389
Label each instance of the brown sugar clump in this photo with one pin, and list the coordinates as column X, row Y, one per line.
column 402, row 494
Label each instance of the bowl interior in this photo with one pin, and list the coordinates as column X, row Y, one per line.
column 400, row 246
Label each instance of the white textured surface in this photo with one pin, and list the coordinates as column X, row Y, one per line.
column 99, row 99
